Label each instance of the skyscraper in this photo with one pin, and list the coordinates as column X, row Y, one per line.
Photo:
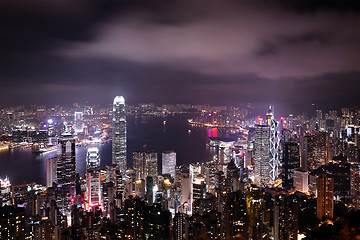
column 290, row 162
column 79, row 122
column 325, row 196
column 169, row 163
column 119, row 134
column 93, row 186
column 66, row 163
column 139, row 165
column 261, row 155
column 151, row 169
column 274, row 146
column 145, row 164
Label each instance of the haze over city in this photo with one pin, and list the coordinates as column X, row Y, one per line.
column 289, row 53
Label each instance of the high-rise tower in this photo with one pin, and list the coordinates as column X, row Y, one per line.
column 93, row 186
column 119, row 134
column 261, row 155
column 274, row 146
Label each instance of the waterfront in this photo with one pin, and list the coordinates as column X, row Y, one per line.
column 151, row 133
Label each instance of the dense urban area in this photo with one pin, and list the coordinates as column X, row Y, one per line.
column 268, row 177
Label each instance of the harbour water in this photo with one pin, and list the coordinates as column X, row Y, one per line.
column 150, row 133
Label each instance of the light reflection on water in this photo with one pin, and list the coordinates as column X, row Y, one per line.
column 21, row 165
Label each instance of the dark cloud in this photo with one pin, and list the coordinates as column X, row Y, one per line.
column 180, row 51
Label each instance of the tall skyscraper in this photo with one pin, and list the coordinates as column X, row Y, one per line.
column 139, row 165
column 325, row 197
column 290, row 162
column 286, row 215
column 79, row 122
column 274, row 146
column 261, row 155
column 169, row 163
column 93, row 187
column 151, row 169
column 51, row 171
column 66, row 163
column 119, row 134
column 145, row 164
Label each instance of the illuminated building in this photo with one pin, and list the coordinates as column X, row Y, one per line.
column 198, row 191
column 235, row 216
column 194, row 170
column 317, row 152
column 301, row 180
column 51, row 166
column 274, row 146
column 93, row 187
column 66, row 163
column 119, row 134
column 5, row 192
column 259, row 216
column 210, row 176
column 79, row 122
column 151, row 161
column 261, row 155
column 285, row 217
column 169, row 163
column 145, row 164
column 186, row 193
column 325, row 197
column 179, row 226
column 290, row 162
column 139, row 165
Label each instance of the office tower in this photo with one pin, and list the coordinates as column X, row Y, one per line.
column 274, row 146
column 285, row 217
column 79, row 122
column 301, row 179
column 290, row 162
column 93, row 187
column 51, row 171
column 210, row 177
column 119, row 134
column 151, row 161
column 145, row 164
column 194, row 170
column 317, row 150
column 198, row 191
column 111, row 173
column 259, row 216
column 261, row 155
column 325, row 196
column 66, row 163
column 5, row 192
column 169, row 163
column 139, row 165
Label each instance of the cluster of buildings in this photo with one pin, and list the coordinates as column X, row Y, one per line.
column 273, row 180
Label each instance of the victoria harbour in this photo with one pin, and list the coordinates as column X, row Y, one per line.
column 145, row 133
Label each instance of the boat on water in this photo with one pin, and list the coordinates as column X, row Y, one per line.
column 42, row 149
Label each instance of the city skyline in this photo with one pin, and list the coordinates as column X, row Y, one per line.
column 292, row 54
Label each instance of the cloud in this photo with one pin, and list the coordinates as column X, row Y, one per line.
column 230, row 39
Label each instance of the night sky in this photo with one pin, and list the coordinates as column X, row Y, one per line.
column 287, row 53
